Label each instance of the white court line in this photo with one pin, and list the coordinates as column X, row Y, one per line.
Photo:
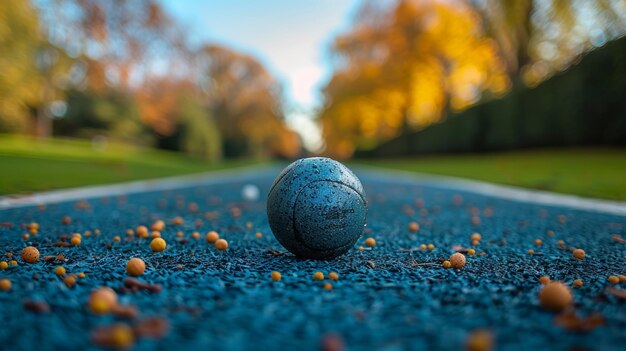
column 252, row 172
column 499, row 191
column 177, row 182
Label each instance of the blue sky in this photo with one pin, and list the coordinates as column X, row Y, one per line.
column 291, row 38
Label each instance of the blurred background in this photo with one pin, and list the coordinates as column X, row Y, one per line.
column 99, row 91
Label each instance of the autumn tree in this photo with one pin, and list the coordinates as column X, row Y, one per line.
column 401, row 67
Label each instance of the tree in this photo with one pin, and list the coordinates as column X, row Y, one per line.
column 401, row 67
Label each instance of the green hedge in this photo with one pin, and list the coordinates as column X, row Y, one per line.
column 585, row 105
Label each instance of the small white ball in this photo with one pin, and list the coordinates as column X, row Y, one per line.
column 250, row 192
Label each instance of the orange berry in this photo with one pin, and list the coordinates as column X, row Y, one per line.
column 333, row 276
column 544, row 280
column 135, row 267
column 328, row 286
column 414, row 227
column 60, row 270
column 579, row 254
column 30, row 254
column 158, row 245
column 446, row 264
column 577, row 283
column 371, row 242
column 613, row 279
column 70, row 281
column 158, row 225
column 555, row 296
column 276, row 276
column 457, row 260
column 5, row 284
column 318, row 276
column 102, row 300
column 212, row 237
column 142, row 231
column 221, row 244
column 475, row 236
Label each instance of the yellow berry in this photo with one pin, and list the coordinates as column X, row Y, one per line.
column 613, row 279
column 180, row 234
column 457, row 260
column 195, row 235
column 276, row 276
column 5, row 284
column 4, row 265
column 431, row 246
column 423, row 247
column 577, row 283
column 544, row 280
column 531, row 252
column 538, row 242
column 371, row 242
column 135, row 267
column 60, row 270
column 333, row 276
column 212, row 237
column 81, row 275
column 75, row 241
column 158, row 245
column 13, row 263
column 328, row 286
column 446, row 264
column 221, row 244
column 560, row 242
column 30, row 254
column 475, row 236
column 318, row 276
column 622, row 278
column 155, row 234
column 258, row 235
column 555, row 296
column 471, row 252
column 579, row 254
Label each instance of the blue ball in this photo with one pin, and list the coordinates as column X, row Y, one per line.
column 316, row 208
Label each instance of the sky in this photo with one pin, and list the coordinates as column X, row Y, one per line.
column 290, row 37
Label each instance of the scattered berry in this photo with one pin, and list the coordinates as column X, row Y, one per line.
column 560, row 242
column 195, row 235
column 431, row 246
column 622, row 278
column 142, row 231
column 276, row 276
column 81, row 275
column 117, row 239
column 414, row 226
column 471, row 252
column 158, row 225
column 328, row 286
column 158, row 245
column 538, row 242
column 479, row 340
column 5, row 284
column 70, row 281
column 212, row 237
column 475, row 236
column 135, row 267
column 258, row 235
column 221, row 244
column 577, row 283
column 371, row 242
column 579, row 254
column 75, row 241
column 446, row 264
column 544, row 280
column 457, row 260
column 333, row 276
column 60, row 271
column 613, row 279
column 3, row 265
column 30, row 254
column 178, row 220
column 531, row 252
column 318, row 276
column 555, row 296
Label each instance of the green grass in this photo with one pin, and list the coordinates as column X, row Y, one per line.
column 597, row 173
column 28, row 165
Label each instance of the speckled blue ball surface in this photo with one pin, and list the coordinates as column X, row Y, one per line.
column 316, row 208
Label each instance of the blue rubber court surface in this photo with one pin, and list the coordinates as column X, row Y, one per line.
column 394, row 296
